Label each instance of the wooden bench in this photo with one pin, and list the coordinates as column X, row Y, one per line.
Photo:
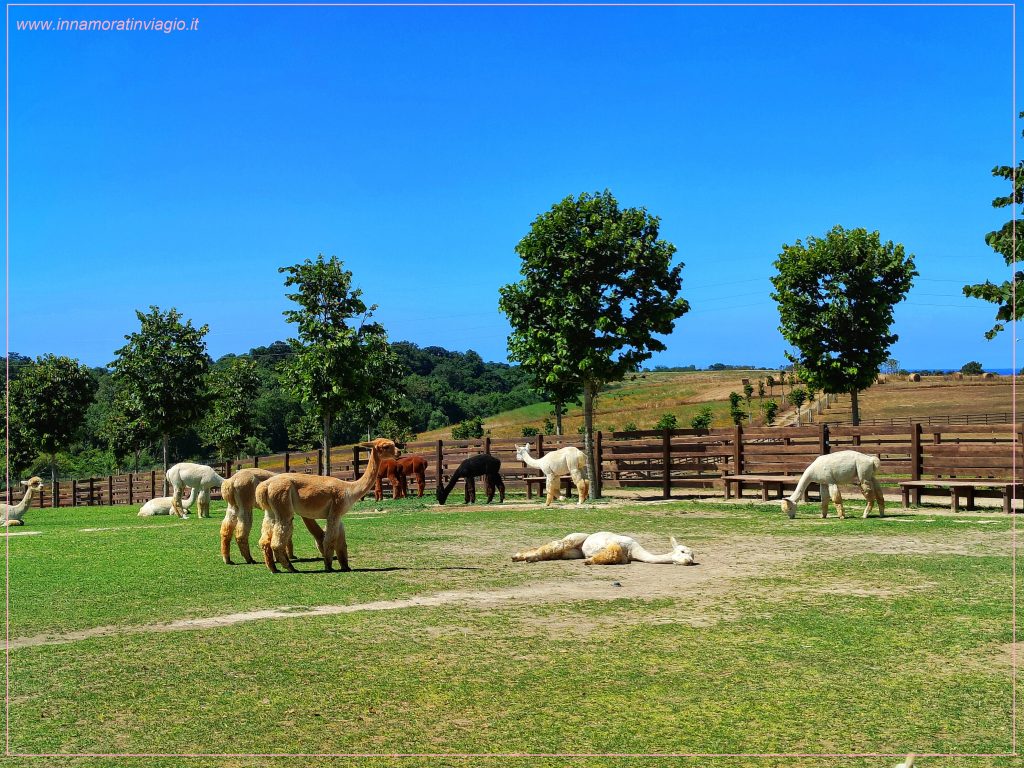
column 767, row 482
column 958, row 487
column 541, row 484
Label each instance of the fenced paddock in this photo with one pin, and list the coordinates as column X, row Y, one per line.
column 661, row 460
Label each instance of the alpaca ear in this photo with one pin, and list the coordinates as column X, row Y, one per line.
column 366, row 445
column 674, row 542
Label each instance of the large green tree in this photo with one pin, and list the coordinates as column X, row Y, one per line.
column 233, row 415
column 334, row 365
column 53, row 396
column 836, row 296
column 162, row 370
column 1008, row 296
column 125, row 430
column 598, row 285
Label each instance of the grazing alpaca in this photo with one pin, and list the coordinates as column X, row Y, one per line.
column 200, row 478
column 413, row 465
column 568, row 460
column 12, row 515
column 604, row 548
column 481, row 464
column 314, row 497
column 161, row 505
column 393, row 471
column 835, row 468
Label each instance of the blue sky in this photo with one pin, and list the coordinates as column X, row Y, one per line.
column 417, row 144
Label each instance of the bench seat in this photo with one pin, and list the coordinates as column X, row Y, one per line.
column 958, row 487
column 767, row 482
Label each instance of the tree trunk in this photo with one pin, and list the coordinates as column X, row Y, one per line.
column 165, row 441
column 327, row 445
column 53, row 474
column 588, row 436
column 137, row 457
column 854, row 408
column 558, row 418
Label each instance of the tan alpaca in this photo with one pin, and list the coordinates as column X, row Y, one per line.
column 12, row 515
column 313, row 497
column 239, row 491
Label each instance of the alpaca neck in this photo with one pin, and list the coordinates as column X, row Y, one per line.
column 805, row 480
column 368, row 479
column 636, row 552
column 21, row 506
column 532, row 462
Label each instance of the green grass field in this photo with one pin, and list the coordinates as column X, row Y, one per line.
column 789, row 636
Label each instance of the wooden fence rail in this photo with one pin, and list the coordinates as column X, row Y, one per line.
column 655, row 459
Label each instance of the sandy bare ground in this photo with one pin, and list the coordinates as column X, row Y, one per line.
column 726, row 568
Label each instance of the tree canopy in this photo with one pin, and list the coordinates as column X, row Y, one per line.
column 598, row 286
column 836, row 296
column 1008, row 296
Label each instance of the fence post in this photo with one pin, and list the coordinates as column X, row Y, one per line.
column 823, row 445
column 74, row 493
column 540, row 446
column 598, row 464
column 110, row 490
column 439, row 458
column 487, row 444
column 152, row 484
column 319, row 461
column 355, row 462
column 255, row 461
column 92, row 501
column 131, row 499
column 227, row 467
column 287, row 462
column 666, row 463
column 737, row 450
column 55, row 501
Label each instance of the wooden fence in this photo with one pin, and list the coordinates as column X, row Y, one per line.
column 655, row 459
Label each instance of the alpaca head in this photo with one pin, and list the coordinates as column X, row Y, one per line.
column 442, row 494
column 682, row 555
column 789, row 507
column 381, row 448
column 33, row 483
column 522, row 451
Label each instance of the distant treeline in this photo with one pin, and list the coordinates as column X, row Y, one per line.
column 439, row 387
column 713, row 367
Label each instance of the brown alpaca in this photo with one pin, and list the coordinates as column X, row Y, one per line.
column 413, row 465
column 313, row 497
column 393, row 471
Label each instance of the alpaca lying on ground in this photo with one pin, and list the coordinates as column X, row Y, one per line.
column 200, row 478
column 413, row 465
column 473, row 467
column 161, row 505
column 313, row 497
column 565, row 461
column 841, row 467
column 392, row 470
column 239, row 491
column 604, row 548
column 12, row 515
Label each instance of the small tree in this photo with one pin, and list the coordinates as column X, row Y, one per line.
column 748, row 394
column 798, row 396
column 598, row 286
column 333, row 366
column 735, row 411
column 162, row 369
column 703, row 418
column 836, row 296
column 1008, row 296
column 770, row 409
column 770, row 380
column 630, row 426
column 53, row 396
column 667, row 421
column 469, row 429
column 891, row 366
column 529, row 432
column 233, row 416
column 972, row 368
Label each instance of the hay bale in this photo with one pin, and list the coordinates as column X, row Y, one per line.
column 988, row 375
column 914, row 377
column 958, row 376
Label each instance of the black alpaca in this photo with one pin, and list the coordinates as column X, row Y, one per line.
column 481, row 464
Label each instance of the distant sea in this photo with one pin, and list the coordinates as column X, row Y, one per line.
column 998, row 371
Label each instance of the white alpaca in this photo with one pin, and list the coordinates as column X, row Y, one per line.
column 13, row 515
column 565, row 461
column 200, row 478
column 835, row 468
column 161, row 505
column 604, row 548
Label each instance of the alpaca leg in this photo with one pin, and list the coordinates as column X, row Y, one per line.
column 581, row 486
column 876, row 488
column 837, row 499
column 421, row 481
column 501, row 489
column 280, row 536
column 378, row 490
column 176, row 502
column 549, row 489
column 316, row 532
column 869, row 496
column 266, row 536
column 341, row 547
column 563, row 549
column 613, row 554
column 204, row 502
column 242, row 534
column 489, row 487
column 330, row 540
column 227, row 530
column 470, row 490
